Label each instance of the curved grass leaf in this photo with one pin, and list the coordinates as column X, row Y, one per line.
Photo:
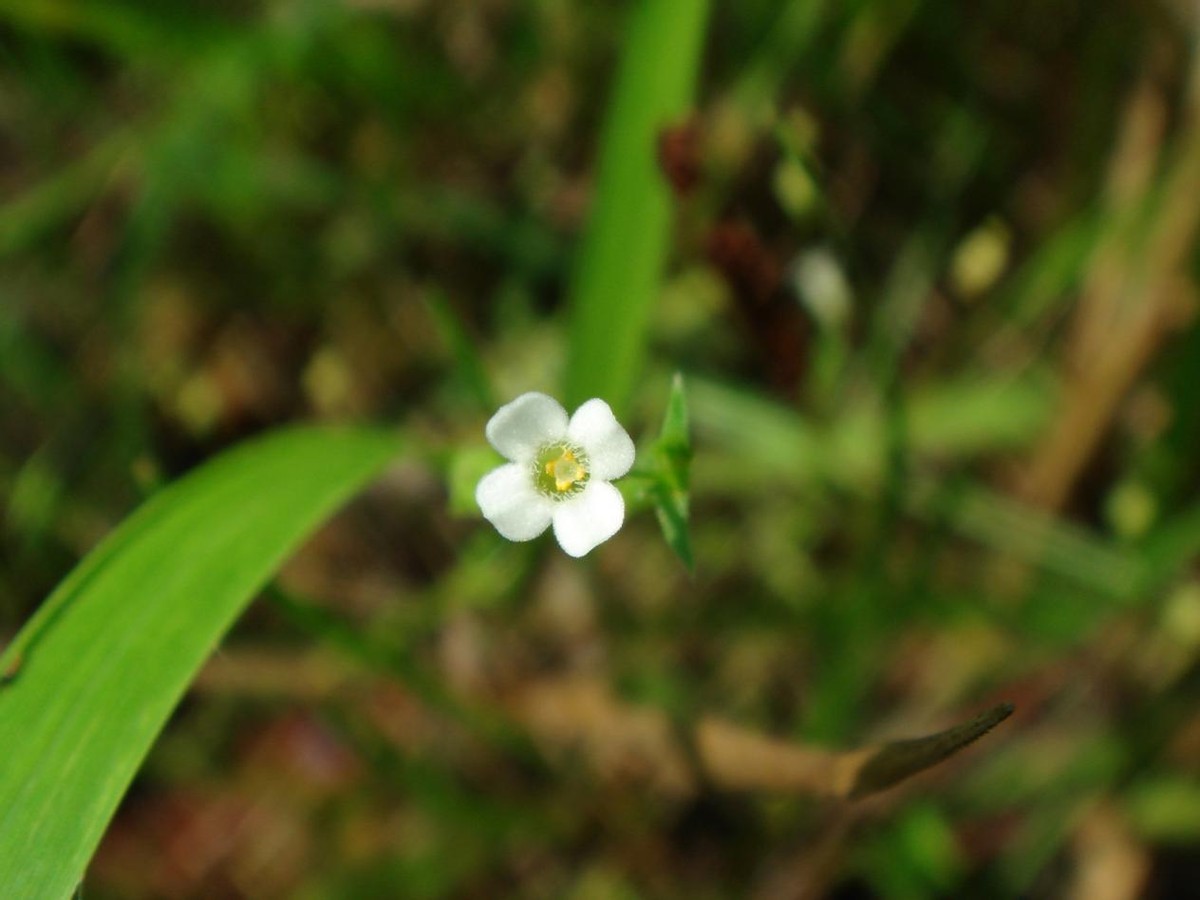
column 894, row 762
column 96, row 672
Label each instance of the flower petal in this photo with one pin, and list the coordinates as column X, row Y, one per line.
column 590, row 519
column 608, row 447
column 531, row 421
column 509, row 501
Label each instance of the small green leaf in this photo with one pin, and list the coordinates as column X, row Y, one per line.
column 672, row 462
column 675, row 439
column 672, row 511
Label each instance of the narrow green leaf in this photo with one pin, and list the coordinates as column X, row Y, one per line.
column 96, row 672
column 625, row 246
column 894, row 762
column 673, row 458
column 672, row 512
column 674, row 437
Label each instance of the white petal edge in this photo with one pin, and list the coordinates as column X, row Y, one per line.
column 520, row 428
column 508, row 500
column 584, row 522
column 608, row 446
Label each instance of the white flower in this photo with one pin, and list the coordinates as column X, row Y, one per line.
column 558, row 472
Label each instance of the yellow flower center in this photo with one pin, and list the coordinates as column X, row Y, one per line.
column 560, row 470
column 565, row 470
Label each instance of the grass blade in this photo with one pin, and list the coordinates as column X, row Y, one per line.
column 96, row 672
column 625, row 246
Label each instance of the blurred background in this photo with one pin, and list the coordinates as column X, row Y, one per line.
column 933, row 285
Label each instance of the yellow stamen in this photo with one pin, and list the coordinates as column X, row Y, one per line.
column 566, row 470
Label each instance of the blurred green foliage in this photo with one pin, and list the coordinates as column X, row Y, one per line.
column 931, row 276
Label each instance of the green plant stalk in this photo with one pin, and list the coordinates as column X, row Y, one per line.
column 91, row 679
column 620, row 263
